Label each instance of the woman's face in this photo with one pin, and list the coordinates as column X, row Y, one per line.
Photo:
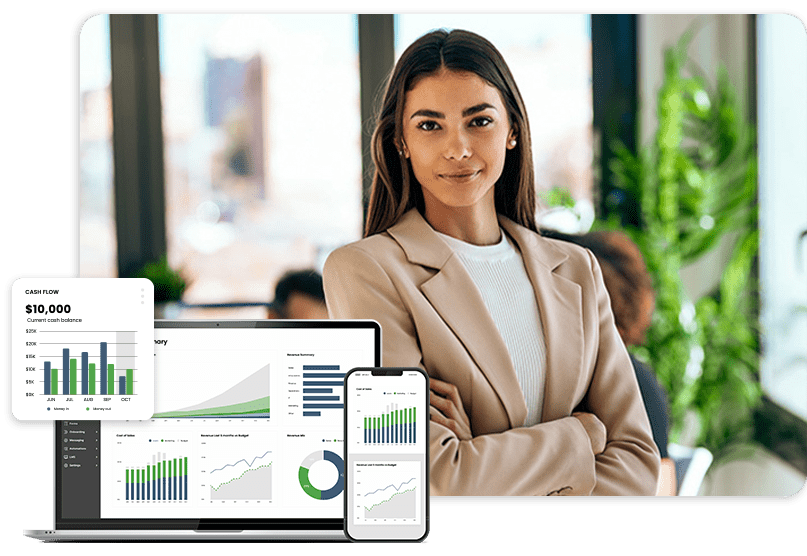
column 456, row 133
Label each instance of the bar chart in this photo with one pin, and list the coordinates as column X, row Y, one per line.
column 322, row 389
column 87, row 366
column 314, row 382
column 82, row 348
column 393, row 426
column 164, row 479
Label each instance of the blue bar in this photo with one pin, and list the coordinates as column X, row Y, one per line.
column 122, row 385
column 85, row 377
column 320, row 367
column 66, row 371
column 164, row 481
column 323, row 406
column 322, row 383
column 315, row 390
column 47, row 378
column 323, row 375
column 320, row 398
column 311, row 413
column 186, row 484
column 103, row 369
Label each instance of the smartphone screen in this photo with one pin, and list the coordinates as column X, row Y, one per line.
column 386, row 454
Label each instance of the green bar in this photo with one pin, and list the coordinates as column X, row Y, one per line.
column 414, row 420
column 54, row 381
column 365, row 422
column 175, row 468
column 110, row 379
column 92, row 379
column 186, row 466
column 127, row 476
column 129, row 382
column 72, row 377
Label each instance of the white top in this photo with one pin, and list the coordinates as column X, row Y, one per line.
column 499, row 273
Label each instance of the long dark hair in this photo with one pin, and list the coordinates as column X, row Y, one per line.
column 395, row 190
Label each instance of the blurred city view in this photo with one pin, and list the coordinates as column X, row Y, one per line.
column 262, row 131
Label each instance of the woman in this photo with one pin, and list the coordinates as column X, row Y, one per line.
column 533, row 392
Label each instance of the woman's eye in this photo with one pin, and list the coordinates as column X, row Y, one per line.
column 428, row 125
column 481, row 121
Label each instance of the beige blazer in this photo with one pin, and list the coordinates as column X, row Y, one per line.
column 432, row 316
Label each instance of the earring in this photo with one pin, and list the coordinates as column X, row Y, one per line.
column 512, row 142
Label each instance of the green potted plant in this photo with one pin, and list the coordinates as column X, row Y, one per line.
column 169, row 285
column 696, row 187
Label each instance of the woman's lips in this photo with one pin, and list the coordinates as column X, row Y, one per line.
column 462, row 175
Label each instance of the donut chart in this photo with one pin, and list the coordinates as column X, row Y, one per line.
column 310, row 489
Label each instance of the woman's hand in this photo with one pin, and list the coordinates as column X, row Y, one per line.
column 446, row 408
column 595, row 430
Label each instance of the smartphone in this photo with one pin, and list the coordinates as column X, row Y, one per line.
column 386, row 454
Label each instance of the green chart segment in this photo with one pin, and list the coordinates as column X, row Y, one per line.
column 313, row 491
column 395, row 426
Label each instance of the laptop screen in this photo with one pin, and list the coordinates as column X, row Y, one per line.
column 247, row 432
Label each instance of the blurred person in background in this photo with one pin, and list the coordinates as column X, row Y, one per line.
column 298, row 295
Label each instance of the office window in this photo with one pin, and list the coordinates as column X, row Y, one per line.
column 97, row 256
column 782, row 117
column 550, row 58
column 262, row 147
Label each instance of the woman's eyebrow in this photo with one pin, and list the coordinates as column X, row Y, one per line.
column 425, row 112
column 477, row 108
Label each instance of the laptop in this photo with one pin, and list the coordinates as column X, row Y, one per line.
column 246, row 442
